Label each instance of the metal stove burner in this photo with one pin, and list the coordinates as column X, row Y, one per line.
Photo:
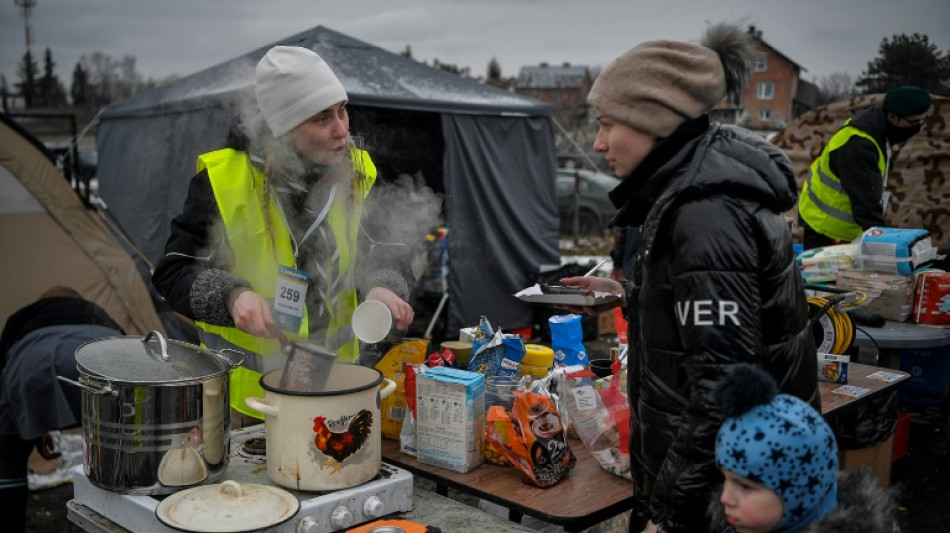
column 255, row 446
column 389, row 492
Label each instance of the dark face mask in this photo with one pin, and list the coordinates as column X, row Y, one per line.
column 897, row 135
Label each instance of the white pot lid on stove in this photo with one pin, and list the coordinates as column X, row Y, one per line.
column 228, row 507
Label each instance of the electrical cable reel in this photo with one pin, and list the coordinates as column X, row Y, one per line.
column 832, row 326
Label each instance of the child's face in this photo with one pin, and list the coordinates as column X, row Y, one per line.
column 749, row 506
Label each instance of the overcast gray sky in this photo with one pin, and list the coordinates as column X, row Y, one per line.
column 185, row 36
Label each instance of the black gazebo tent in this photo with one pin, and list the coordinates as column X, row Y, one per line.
column 489, row 151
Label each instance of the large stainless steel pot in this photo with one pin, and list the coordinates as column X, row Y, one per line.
column 155, row 413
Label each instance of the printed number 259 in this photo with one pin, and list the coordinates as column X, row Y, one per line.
column 289, row 294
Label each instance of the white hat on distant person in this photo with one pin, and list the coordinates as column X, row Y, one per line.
column 293, row 84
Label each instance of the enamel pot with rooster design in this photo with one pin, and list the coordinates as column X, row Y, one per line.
column 327, row 440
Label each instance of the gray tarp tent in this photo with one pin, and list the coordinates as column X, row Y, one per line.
column 489, row 151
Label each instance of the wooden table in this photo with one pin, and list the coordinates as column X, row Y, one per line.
column 878, row 456
column 833, row 405
column 587, row 496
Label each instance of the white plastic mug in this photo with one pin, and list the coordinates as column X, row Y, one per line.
column 372, row 322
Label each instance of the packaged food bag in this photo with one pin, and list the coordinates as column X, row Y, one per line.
column 407, row 433
column 932, row 298
column 895, row 250
column 392, row 410
column 495, row 353
column 620, row 325
column 597, row 425
column 532, row 438
column 567, row 340
column 615, row 400
column 820, row 265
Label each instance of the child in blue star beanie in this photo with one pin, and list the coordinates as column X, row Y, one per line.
column 779, row 457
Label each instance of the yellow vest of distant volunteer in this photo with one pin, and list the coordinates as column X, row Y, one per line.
column 237, row 185
column 823, row 203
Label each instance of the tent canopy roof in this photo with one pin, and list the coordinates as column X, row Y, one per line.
column 371, row 75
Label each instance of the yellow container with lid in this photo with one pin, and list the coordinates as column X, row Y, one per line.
column 538, row 360
column 461, row 349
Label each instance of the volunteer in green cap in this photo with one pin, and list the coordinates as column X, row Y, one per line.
column 844, row 193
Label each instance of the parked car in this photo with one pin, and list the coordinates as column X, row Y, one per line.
column 594, row 209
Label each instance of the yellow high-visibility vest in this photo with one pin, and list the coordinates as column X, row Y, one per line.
column 238, row 186
column 823, row 204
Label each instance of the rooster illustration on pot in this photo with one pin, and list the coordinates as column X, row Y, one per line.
column 338, row 446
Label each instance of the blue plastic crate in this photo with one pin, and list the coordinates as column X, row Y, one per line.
column 929, row 370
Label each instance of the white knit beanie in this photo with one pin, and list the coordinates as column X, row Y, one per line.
column 293, row 84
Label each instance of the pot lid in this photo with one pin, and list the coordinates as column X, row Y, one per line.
column 227, row 507
column 151, row 359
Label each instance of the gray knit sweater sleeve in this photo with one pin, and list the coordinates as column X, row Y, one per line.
column 209, row 296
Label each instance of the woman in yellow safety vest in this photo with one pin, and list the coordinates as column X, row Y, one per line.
column 270, row 239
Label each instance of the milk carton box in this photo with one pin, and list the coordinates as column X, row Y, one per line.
column 833, row 368
column 450, row 423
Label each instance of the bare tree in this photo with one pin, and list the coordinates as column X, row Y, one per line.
column 109, row 80
column 836, row 86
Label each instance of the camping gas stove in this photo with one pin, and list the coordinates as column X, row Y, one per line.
column 387, row 493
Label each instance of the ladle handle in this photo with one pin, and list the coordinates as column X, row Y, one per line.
column 280, row 336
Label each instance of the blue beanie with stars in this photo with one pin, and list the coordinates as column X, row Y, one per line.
column 780, row 442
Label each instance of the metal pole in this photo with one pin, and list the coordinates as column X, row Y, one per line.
column 576, row 225
column 25, row 7
column 435, row 316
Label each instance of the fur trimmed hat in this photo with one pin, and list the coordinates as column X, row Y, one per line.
column 657, row 85
column 293, row 84
column 778, row 441
column 907, row 101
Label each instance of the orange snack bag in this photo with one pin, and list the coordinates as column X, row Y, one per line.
column 532, row 438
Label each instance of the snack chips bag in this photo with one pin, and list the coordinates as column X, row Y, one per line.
column 533, row 439
column 495, row 353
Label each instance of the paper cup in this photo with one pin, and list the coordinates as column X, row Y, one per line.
column 372, row 321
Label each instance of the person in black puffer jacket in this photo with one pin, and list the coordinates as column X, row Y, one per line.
column 715, row 283
column 37, row 344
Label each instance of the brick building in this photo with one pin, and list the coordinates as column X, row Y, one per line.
column 775, row 95
column 565, row 87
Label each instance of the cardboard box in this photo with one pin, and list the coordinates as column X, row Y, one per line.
column 888, row 295
column 450, row 424
column 605, row 323
column 877, row 457
column 833, row 368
